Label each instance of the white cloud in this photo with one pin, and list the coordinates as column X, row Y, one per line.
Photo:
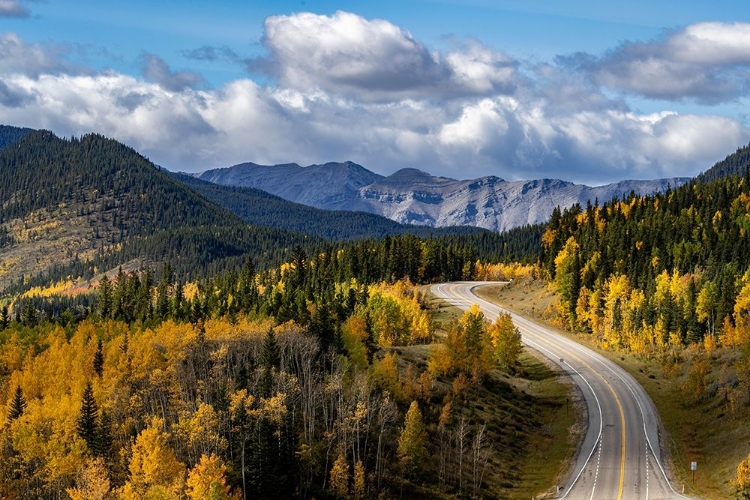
column 375, row 60
column 156, row 69
column 707, row 62
column 17, row 56
column 12, row 8
column 335, row 100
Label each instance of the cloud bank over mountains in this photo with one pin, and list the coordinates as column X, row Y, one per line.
column 345, row 87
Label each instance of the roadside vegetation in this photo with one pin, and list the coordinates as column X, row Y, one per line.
column 692, row 387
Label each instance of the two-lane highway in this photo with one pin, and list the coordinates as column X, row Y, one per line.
column 620, row 456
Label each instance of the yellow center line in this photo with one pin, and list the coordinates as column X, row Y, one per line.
column 622, row 459
column 619, row 406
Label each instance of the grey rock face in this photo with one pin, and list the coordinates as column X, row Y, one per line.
column 415, row 197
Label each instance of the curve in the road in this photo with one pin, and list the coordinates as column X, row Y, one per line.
column 615, row 403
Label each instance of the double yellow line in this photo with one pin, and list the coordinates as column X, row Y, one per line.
column 622, row 421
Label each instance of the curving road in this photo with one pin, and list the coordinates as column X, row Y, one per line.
column 620, row 456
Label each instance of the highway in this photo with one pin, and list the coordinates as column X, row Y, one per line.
column 620, row 455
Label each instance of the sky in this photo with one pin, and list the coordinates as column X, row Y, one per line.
column 590, row 92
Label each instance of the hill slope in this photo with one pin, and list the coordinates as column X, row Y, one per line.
column 734, row 164
column 411, row 196
column 70, row 204
column 10, row 135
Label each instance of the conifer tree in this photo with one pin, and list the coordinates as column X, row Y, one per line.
column 17, row 404
column 270, row 357
column 103, row 442
column 86, row 426
column 178, row 302
column 29, row 316
column 105, row 298
column 269, row 360
column 162, row 293
column 4, row 318
column 99, row 359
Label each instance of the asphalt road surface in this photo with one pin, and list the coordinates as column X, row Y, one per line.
column 620, row 456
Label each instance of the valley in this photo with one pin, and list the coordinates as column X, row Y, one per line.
column 128, row 249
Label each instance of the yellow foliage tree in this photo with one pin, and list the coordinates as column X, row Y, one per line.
column 354, row 336
column 506, row 340
column 339, row 478
column 200, row 432
column 359, row 487
column 92, row 482
column 154, row 469
column 742, row 481
column 207, row 480
column 412, row 443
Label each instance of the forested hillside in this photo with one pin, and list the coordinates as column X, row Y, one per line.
column 10, row 135
column 647, row 272
column 735, row 164
column 71, row 205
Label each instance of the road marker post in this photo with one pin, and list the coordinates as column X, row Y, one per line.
column 693, row 467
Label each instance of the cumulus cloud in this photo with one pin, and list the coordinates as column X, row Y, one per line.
column 505, row 136
column 12, row 8
column 350, row 88
column 17, row 56
column 156, row 69
column 707, row 62
column 374, row 59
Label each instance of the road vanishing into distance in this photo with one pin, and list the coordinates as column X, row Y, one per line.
column 620, row 456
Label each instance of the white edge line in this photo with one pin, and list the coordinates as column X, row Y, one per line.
column 582, row 349
column 601, row 417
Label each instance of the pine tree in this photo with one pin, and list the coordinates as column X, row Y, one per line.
column 162, row 293
column 105, row 298
column 29, row 316
column 178, row 301
column 270, row 357
column 17, row 404
column 269, row 361
column 4, row 318
column 104, row 440
column 86, row 426
column 99, row 359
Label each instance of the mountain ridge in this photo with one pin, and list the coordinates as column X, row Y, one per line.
column 262, row 208
column 413, row 196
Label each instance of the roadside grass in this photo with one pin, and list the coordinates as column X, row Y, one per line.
column 709, row 429
column 533, row 418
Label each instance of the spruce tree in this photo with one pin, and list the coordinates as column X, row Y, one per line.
column 99, row 359
column 29, row 316
column 4, row 318
column 269, row 360
column 270, row 357
column 17, row 404
column 162, row 293
column 86, row 426
column 105, row 298
column 103, row 440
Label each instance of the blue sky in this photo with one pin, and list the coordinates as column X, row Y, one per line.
column 519, row 89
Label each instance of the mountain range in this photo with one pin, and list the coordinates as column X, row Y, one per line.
column 411, row 196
